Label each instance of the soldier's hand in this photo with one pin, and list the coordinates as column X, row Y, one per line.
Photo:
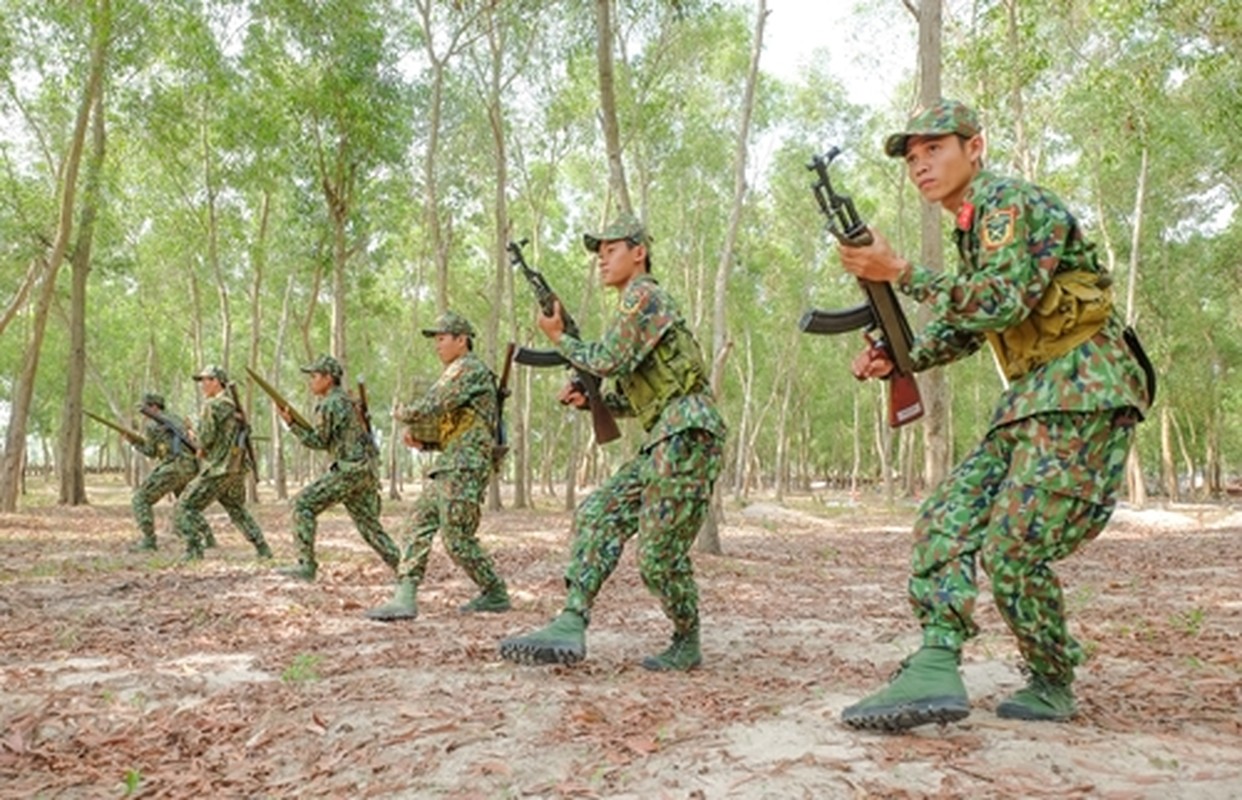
column 285, row 414
column 552, row 325
column 871, row 363
column 571, row 394
column 874, row 262
column 410, row 441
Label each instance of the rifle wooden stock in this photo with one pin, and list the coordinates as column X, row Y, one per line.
column 279, row 400
column 602, row 420
column 132, row 436
column 880, row 313
column 245, row 429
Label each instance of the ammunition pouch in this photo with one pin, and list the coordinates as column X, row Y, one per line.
column 1075, row 307
column 673, row 369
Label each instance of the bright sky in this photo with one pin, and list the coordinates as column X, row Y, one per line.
column 868, row 55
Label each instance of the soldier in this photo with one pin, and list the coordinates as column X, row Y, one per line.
column 176, row 468
column 222, row 476
column 1045, row 478
column 461, row 410
column 353, row 477
column 662, row 494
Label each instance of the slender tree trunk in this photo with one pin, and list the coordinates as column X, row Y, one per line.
column 11, row 471
column 608, row 105
column 1134, row 465
column 709, row 535
column 259, row 261
column 72, row 477
column 937, row 436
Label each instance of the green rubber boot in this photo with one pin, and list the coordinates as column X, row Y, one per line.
column 263, row 550
column 403, row 605
column 305, row 570
column 927, row 688
column 561, row 642
column 682, row 655
column 1043, row 699
column 143, row 545
column 494, row 600
column 209, row 541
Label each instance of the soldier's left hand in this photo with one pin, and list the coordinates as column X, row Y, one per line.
column 552, row 325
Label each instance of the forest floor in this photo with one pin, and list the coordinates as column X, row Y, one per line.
column 132, row 675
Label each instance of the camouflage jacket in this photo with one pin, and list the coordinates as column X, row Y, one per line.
column 463, row 400
column 339, row 430
column 218, row 437
column 647, row 344
column 162, row 443
column 1012, row 238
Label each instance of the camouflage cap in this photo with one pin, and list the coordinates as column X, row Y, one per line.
column 152, row 399
column 450, row 322
column 325, row 365
column 212, row 371
column 625, row 226
column 942, row 118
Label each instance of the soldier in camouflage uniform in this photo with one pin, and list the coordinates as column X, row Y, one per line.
column 1045, row 478
column 460, row 412
column 223, row 473
column 176, row 468
column 353, row 477
column 662, row 494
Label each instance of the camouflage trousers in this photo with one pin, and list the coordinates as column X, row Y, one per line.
column 1029, row 495
column 168, row 476
column 230, row 490
column 450, row 503
column 661, row 495
column 358, row 491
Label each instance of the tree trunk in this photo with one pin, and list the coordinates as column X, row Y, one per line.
column 937, row 435
column 72, row 477
column 709, row 534
column 1136, row 486
column 608, row 105
column 11, row 471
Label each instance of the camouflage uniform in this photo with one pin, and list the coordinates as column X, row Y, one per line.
column 222, row 475
column 1045, row 478
column 463, row 401
column 663, row 493
column 352, row 479
column 177, row 466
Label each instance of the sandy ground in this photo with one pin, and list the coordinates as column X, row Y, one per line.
column 131, row 675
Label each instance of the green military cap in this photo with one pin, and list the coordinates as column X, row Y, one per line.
column 450, row 322
column 325, row 365
column 941, row 118
column 153, row 399
column 625, row 227
column 212, row 371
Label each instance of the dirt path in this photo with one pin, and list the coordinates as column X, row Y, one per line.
column 125, row 672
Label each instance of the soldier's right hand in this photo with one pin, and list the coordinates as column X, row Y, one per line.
column 571, row 394
column 410, row 441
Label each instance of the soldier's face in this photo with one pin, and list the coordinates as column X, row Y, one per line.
column 320, row 383
column 210, row 386
column 943, row 166
column 450, row 347
column 620, row 262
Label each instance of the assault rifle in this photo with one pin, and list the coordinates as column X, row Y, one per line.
column 364, row 413
column 133, row 437
column 180, row 434
column 243, row 433
column 605, row 425
column 502, row 393
column 880, row 313
column 279, row 400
